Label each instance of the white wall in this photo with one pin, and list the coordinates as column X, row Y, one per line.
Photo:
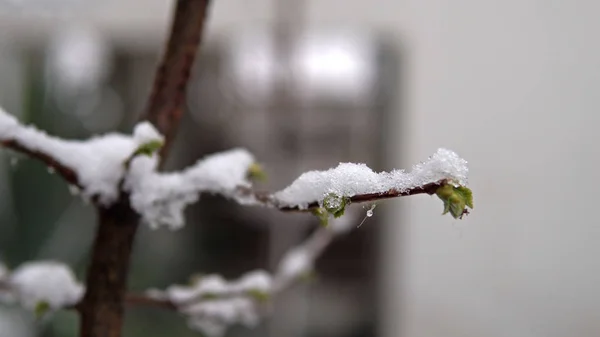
column 513, row 86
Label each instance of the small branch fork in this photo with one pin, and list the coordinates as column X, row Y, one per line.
column 102, row 308
column 105, row 298
column 315, row 245
column 264, row 198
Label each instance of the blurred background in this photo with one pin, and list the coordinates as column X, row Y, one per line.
column 512, row 86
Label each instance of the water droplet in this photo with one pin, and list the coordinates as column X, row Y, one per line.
column 74, row 190
column 369, row 214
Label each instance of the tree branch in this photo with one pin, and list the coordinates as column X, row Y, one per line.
column 102, row 307
column 294, row 264
column 167, row 100
column 134, row 299
column 269, row 200
column 284, row 278
column 67, row 173
column 161, row 198
column 198, row 303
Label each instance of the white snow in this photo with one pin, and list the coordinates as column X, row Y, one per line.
column 45, row 281
column 145, row 132
column 258, row 280
column 295, row 262
column 349, row 179
column 208, row 285
column 162, row 197
column 97, row 161
column 215, row 316
column 233, row 303
column 215, row 285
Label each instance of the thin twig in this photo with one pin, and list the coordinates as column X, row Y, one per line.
column 67, row 173
column 134, row 299
column 314, row 246
column 268, row 199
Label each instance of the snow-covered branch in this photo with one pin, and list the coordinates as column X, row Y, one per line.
column 104, row 166
column 95, row 165
column 360, row 183
column 160, row 198
column 211, row 304
column 40, row 286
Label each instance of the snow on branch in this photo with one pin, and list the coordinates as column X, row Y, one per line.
column 94, row 165
column 161, row 198
column 40, row 286
column 358, row 182
column 105, row 166
column 212, row 304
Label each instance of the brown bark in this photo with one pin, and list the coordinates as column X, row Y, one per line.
column 102, row 308
column 67, row 173
column 167, row 100
column 267, row 199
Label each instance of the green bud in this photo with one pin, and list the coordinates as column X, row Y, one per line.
column 335, row 204
column 256, row 172
column 445, row 191
column 322, row 214
column 455, row 199
column 41, row 309
column 258, row 295
column 149, row 148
